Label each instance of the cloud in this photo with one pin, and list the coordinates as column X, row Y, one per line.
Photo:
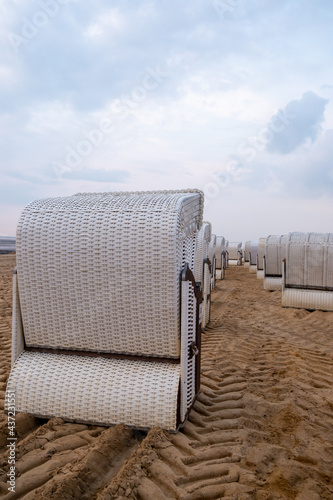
column 304, row 118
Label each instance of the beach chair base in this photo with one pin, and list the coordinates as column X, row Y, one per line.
column 307, row 299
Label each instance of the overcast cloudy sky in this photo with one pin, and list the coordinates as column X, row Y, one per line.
column 230, row 96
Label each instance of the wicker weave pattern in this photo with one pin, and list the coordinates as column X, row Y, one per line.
column 310, row 260
column 70, row 255
column 96, row 390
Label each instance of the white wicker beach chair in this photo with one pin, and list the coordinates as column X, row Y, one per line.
column 235, row 253
column 212, row 258
column 308, row 271
column 93, row 342
column 260, row 258
column 246, row 253
column 275, row 253
column 203, row 268
column 253, row 256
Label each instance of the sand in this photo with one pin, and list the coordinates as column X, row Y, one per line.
column 260, row 429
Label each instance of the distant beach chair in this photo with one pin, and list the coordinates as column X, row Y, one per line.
column 235, row 253
column 275, row 252
column 246, row 253
column 260, row 258
column 253, row 256
column 212, row 258
column 308, row 271
column 106, row 309
column 7, row 244
column 203, row 269
column 220, row 254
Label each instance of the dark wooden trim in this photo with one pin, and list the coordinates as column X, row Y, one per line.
column 108, row 355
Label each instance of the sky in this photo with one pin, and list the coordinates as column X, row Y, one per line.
column 233, row 97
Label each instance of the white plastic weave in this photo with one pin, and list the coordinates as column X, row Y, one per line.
column 71, row 254
column 96, row 390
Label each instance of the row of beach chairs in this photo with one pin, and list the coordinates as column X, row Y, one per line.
column 299, row 264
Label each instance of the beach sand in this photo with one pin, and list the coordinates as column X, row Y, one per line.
column 260, row 429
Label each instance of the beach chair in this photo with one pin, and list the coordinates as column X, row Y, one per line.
column 260, row 258
column 246, row 253
column 235, row 253
column 106, row 309
column 275, row 253
column 253, row 256
column 212, row 258
column 203, row 269
column 220, row 255
column 308, row 271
